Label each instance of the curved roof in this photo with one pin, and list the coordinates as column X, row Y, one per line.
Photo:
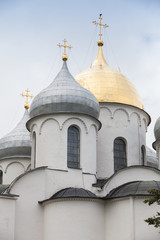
column 107, row 84
column 17, row 143
column 138, row 188
column 157, row 129
column 71, row 193
column 3, row 187
column 63, row 95
column 151, row 158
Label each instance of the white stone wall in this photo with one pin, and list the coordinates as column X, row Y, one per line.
column 51, row 140
column 12, row 168
column 7, row 218
column 58, row 180
column 74, row 219
column 142, row 211
column 40, row 184
column 127, row 122
column 131, row 174
column 124, row 219
column 28, row 219
column 118, row 220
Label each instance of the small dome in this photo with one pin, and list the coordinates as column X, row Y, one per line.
column 63, row 95
column 151, row 158
column 71, row 193
column 157, row 129
column 107, row 84
column 17, row 143
column 138, row 188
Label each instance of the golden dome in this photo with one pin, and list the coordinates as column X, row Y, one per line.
column 107, row 84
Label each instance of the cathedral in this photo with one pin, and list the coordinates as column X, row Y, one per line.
column 77, row 166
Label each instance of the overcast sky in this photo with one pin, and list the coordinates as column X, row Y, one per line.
column 29, row 57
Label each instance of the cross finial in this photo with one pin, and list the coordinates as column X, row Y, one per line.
column 27, row 96
column 64, row 57
column 100, row 42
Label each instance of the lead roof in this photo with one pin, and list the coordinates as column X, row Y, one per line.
column 137, row 188
column 17, row 143
column 64, row 95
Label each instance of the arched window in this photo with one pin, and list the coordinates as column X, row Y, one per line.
column 120, row 160
column 73, row 147
column 143, row 155
column 1, row 177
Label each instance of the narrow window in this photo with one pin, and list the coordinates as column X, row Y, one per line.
column 34, row 150
column 73, row 147
column 142, row 155
column 1, row 177
column 120, row 160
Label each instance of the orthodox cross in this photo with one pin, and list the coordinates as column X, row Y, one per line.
column 100, row 42
column 27, row 96
column 64, row 57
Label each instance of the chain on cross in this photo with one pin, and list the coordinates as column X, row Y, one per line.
column 100, row 42
column 27, row 96
column 64, row 57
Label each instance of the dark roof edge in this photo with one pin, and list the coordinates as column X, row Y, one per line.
column 70, row 198
column 129, row 195
column 9, row 195
column 105, row 180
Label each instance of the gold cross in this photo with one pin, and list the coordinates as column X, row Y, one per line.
column 64, row 57
column 27, row 96
column 100, row 42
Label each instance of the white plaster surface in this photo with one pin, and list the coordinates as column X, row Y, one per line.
column 126, row 122
column 7, row 218
column 135, row 173
column 124, row 219
column 74, row 219
column 51, row 140
column 12, row 168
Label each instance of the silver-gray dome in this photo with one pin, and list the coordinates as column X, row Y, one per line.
column 138, row 188
column 17, row 143
column 63, row 95
column 71, row 193
column 151, row 158
column 157, row 129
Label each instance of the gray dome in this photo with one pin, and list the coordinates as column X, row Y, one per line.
column 138, row 188
column 63, row 95
column 151, row 158
column 71, row 192
column 157, row 129
column 17, row 143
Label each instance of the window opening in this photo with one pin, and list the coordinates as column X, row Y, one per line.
column 1, row 177
column 120, row 160
column 142, row 155
column 73, row 147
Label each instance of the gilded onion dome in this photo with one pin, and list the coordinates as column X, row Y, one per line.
column 16, row 144
column 107, row 84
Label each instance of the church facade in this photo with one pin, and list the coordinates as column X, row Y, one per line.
column 77, row 166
